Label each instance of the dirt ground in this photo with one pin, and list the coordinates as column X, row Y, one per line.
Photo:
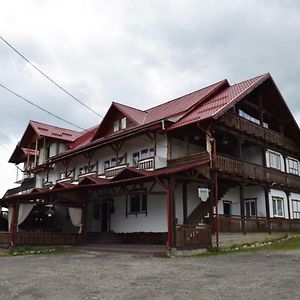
column 272, row 275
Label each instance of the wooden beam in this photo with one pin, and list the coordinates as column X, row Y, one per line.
column 242, row 207
column 184, row 202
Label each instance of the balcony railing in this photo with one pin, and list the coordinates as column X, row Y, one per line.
column 258, row 131
column 255, row 172
column 257, row 224
column 113, row 171
column 200, row 156
column 147, row 164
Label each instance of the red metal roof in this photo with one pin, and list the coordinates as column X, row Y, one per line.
column 54, row 132
column 84, row 138
column 220, row 102
column 137, row 115
column 181, row 104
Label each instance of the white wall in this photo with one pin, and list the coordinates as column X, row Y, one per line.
column 257, row 192
column 155, row 221
column 232, row 195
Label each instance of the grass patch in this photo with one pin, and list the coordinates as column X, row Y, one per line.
column 281, row 244
column 32, row 250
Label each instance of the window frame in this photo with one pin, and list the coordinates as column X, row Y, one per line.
column 250, row 201
column 275, row 211
column 296, row 214
column 116, row 126
column 143, row 204
column 123, row 123
column 230, row 208
column 290, row 169
column 279, row 160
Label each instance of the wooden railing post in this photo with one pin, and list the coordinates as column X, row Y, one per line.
column 242, row 206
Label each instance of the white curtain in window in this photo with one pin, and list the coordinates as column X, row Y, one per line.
column 24, row 211
column 76, row 217
column 10, row 216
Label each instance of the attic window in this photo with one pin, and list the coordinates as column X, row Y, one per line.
column 120, row 124
column 116, row 125
column 123, row 123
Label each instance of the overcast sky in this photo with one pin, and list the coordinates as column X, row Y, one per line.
column 140, row 53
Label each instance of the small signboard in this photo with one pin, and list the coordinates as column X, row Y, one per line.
column 203, row 194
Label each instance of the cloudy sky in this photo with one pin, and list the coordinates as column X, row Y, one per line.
column 140, row 53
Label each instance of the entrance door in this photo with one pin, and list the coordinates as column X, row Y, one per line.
column 105, row 220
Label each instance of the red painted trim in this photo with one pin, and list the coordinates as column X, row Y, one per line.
column 169, row 218
column 217, row 210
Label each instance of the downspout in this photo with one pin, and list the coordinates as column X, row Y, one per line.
column 213, row 165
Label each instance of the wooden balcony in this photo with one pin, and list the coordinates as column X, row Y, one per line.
column 147, row 164
column 256, row 173
column 200, row 156
column 255, row 130
column 113, row 171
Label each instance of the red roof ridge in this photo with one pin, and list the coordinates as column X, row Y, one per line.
column 33, row 123
column 118, row 103
column 196, row 91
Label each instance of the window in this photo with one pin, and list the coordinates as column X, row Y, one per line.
column 135, row 159
column 296, row 209
column 293, row 166
column 278, row 207
column 144, row 153
column 116, row 125
column 113, row 162
column 250, row 207
column 151, row 152
column 274, row 159
column 138, row 204
column 226, row 208
column 107, row 164
column 248, row 117
column 123, row 123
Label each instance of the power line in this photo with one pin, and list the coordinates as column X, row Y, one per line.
column 45, row 75
column 39, row 107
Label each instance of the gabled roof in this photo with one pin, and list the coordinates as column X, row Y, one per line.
column 130, row 172
column 54, row 132
column 62, row 185
column 163, row 111
column 136, row 115
column 92, row 180
column 182, row 104
column 84, row 138
column 219, row 103
column 20, row 154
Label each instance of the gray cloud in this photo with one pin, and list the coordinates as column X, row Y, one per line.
column 139, row 53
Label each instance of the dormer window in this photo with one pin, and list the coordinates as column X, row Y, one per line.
column 116, row 125
column 120, row 124
column 123, row 123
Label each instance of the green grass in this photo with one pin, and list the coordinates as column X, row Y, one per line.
column 282, row 244
column 32, row 250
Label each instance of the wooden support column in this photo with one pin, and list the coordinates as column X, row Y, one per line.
column 35, row 154
column 184, row 202
column 241, row 141
column 173, row 213
column 289, row 209
column 242, row 206
column 267, row 204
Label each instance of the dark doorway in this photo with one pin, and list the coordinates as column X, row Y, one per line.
column 105, row 216
column 227, row 208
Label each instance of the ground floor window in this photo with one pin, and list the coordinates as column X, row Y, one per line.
column 296, row 209
column 137, row 204
column 278, row 210
column 227, row 208
column 250, row 207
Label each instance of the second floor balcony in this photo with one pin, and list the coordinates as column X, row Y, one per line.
column 256, row 173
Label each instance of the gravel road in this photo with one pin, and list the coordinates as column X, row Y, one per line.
column 118, row 276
